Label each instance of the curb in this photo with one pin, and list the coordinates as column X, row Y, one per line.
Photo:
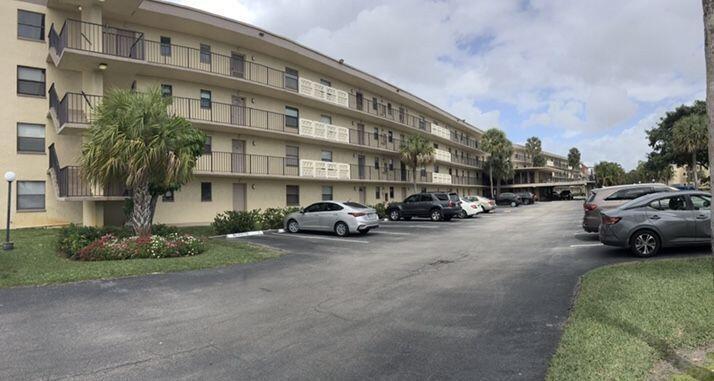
column 253, row 233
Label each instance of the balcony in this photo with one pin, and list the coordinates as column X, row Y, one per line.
column 70, row 185
column 74, row 110
column 90, row 42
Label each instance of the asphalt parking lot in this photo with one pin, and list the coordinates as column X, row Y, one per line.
column 484, row 298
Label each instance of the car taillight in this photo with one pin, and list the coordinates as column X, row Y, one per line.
column 450, row 203
column 474, row 206
column 589, row 207
column 357, row 214
column 607, row 220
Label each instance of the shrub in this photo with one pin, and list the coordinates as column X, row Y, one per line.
column 73, row 238
column 237, row 221
column 109, row 247
column 381, row 210
column 273, row 217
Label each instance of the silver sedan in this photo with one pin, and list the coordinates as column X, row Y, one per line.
column 341, row 217
column 651, row 222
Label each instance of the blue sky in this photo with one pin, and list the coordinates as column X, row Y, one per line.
column 589, row 74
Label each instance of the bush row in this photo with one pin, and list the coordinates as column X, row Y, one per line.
column 109, row 247
column 74, row 238
column 231, row 221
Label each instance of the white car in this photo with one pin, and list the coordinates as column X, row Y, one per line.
column 486, row 203
column 469, row 208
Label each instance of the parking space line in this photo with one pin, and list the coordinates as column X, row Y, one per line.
column 390, row 233
column 587, row 245
column 412, row 226
column 320, row 238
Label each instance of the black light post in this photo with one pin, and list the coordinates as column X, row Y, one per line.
column 10, row 177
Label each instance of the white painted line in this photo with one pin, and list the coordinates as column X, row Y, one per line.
column 245, row 234
column 281, row 230
column 390, row 233
column 323, row 238
column 587, row 245
column 413, row 226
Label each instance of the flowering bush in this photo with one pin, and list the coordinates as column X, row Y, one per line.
column 73, row 238
column 110, row 247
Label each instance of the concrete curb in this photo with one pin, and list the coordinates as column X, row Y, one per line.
column 253, row 233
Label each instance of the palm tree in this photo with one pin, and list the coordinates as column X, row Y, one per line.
column 534, row 149
column 500, row 149
column 708, row 7
column 689, row 137
column 574, row 159
column 134, row 139
column 415, row 152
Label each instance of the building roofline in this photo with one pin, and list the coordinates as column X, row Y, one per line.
column 195, row 15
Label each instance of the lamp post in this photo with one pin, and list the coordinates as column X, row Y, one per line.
column 10, row 177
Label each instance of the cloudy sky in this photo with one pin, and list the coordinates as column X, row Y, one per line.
column 590, row 74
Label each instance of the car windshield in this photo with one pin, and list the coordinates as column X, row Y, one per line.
column 355, row 205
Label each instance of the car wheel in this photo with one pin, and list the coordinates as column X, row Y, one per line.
column 341, row 229
column 463, row 214
column 435, row 215
column 513, row 204
column 394, row 215
column 645, row 243
column 293, row 226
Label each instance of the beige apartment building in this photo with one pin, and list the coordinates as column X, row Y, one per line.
column 555, row 174
column 286, row 125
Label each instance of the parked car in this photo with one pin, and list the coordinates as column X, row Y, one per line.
column 508, row 198
column 434, row 205
column 486, row 203
column 470, row 208
column 343, row 218
column 565, row 194
column 684, row 186
column 658, row 220
column 611, row 197
column 526, row 198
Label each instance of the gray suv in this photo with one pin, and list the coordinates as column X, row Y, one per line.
column 612, row 197
column 437, row 206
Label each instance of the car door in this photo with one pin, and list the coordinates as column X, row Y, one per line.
column 702, row 216
column 424, row 204
column 311, row 215
column 409, row 206
column 330, row 216
column 673, row 218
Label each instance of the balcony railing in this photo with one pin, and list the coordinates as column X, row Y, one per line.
column 71, row 182
column 124, row 43
column 73, row 108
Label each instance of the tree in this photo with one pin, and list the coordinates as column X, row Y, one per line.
column 608, row 173
column 574, row 159
column 416, row 152
column 534, row 150
column 647, row 172
column 689, row 137
column 134, row 139
column 708, row 6
column 500, row 149
column 661, row 137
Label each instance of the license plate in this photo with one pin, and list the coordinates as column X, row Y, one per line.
column 372, row 216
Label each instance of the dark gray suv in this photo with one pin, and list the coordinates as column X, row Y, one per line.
column 437, row 206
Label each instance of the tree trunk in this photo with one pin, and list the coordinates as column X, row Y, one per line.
column 141, row 214
column 708, row 6
column 154, row 200
column 414, row 172
column 490, row 177
column 693, row 168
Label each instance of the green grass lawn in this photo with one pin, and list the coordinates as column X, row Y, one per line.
column 627, row 317
column 34, row 260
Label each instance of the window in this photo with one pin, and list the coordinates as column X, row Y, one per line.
column 326, row 155
column 30, row 25
column 30, row 195
column 206, row 192
column 670, row 203
column 166, row 46
column 376, row 133
column 207, row 145
column 326, row 119
column 436, row 169
column 413, row 198
column 359, row 99
column 390, row 136
column 325, row 82
column 206, row 54
column 30, row 81
column 401, row 114
column 422, row 123
column 292, row 195
column 30, row 137
column 326, row 193
column 167, row 90
column 391, row 192
column 701, row 202
column 205, row 99
column 629, row 193
column 376, row 163
column 291, row 79
column 168, row 196
column 389, row 108
column 292, row 156
column 332, row 207
column 292, row 116
column 377, row 192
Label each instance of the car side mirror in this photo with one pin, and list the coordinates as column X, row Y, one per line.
column 302, row 211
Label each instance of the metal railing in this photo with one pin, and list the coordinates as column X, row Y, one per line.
column 71, row 182
column 131, row 44
column 73, row 108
